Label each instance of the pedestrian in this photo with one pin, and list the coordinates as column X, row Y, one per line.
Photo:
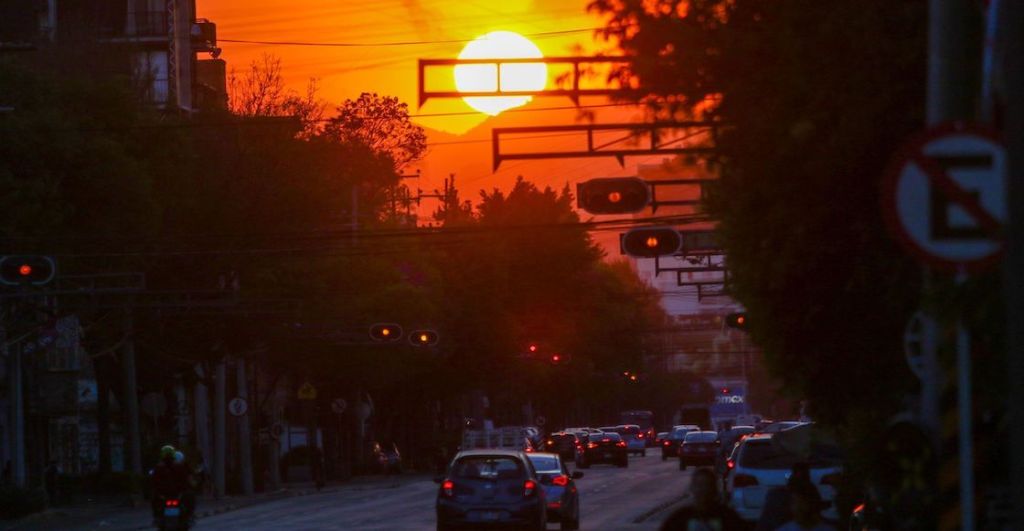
column 777, row 502
column 806, row 506
column 707, row 512
column 51, row 478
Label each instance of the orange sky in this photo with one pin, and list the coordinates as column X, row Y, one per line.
column 458, row 144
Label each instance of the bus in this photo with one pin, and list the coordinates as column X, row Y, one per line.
column 642, row 418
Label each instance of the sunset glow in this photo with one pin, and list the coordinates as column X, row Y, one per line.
column 500, row 45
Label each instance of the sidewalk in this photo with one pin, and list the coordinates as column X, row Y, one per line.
column 115, row 513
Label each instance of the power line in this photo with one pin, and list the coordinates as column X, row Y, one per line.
column 538, row 35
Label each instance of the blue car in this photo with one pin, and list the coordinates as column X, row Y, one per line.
column 563, row 497
column 491, row 488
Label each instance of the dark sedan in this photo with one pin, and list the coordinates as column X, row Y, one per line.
column 491, row 488
column 698, row 448
column 567, row 445
column 559, row 489
column 605, row 448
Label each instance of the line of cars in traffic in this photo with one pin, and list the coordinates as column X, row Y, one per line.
column 752, row 461
column 507, row 477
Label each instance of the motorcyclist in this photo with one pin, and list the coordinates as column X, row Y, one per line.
column 170, row 480
column 188, row 495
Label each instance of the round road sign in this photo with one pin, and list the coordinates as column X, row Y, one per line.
column 238, row 406
column 338, row 405
column 944, row 197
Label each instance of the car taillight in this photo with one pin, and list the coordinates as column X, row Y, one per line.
column 639, row 436
column 620, row 443
column 668, row 443
column 448, row 488
column 591, row 445
column 529, row 488
column 561, row 481
column 172, row 503
column 743, row 480
column 832, row 480
column 730, row 464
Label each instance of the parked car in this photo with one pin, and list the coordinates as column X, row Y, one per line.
column 636, row 442
column 563, row 498
column 761, row 465
column 491, row 488
column 670, row 445
column 605, row 448
column 698, row 448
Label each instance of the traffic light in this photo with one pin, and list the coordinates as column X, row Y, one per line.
column 385, row 332
column 649, row 242
column 736, row 320
column 423, row 338
column 613, row 195
column 32, row 270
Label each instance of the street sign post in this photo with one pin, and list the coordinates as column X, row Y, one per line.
column 238, row 406
column 944, row 197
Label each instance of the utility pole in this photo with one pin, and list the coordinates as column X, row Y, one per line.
column 954, row 49
column 131, row 395
column 219, row 429
column 244, row 441
column 1011, row 22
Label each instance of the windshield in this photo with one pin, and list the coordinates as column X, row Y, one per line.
column 488, row 467
column 545, row 463
column 701, row 437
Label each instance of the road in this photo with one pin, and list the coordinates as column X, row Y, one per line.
column 610, row 498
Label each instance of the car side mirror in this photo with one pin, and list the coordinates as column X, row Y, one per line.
column 438, row 479
column 577, row 474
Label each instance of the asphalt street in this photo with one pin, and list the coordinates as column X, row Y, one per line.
column 637, row 497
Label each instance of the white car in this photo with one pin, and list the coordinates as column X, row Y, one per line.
column 761, row 466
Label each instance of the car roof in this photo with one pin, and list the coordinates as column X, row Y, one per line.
column 757, row 437
column 544, row 454
column 491, row 451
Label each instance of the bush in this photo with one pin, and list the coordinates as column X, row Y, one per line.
column 16, row 502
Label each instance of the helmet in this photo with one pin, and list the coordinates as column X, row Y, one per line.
column 179, row 457
column 167, row 451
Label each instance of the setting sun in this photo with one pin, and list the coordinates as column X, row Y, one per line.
column 480, row 78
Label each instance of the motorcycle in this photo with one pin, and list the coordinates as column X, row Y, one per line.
column 172, row 517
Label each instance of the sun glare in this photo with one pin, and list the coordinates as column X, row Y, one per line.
column 525, row 76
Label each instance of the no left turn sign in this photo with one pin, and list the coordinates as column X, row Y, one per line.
column 944, row 197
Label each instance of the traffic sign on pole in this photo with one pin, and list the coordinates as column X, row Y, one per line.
column 944, row 197
column 307, row 392
column 238, row 406
column 338, row 405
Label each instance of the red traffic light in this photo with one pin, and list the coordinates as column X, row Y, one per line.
column 613, row 195
column 736, row 320
column 649, row 242
column 423, row 338
column 725, row 390
column 32, row 269
column 555, row 358
column 533, row 349
column 385, row 332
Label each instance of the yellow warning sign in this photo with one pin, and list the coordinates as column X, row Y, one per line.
column 307, row 392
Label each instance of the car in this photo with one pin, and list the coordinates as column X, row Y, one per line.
column 761, row 465
column 565, row 444
column 670, row 444
column 729, row 439
column 698, row 448
column 491, row 487
column 776, row 427
column 605, row 448
column 563, row 498
column 661, row 435
column 636, row 441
